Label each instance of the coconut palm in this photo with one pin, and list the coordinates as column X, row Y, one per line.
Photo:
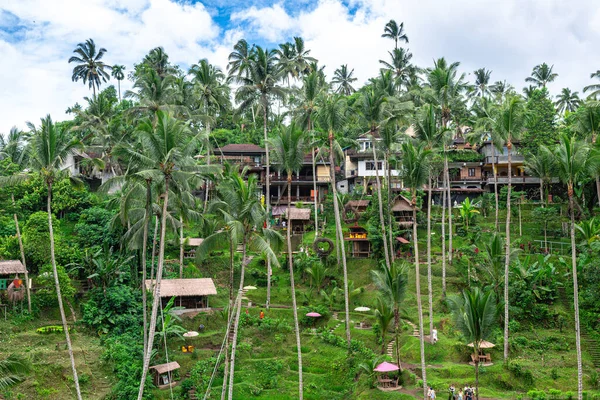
column 239, row 59
column 294, row 59
column 541, row 75
column 588, row 124
column 399, row 65
column 289, row 148
column 392, row 284
column 117, row 73
column 384, row 314
column 474, row 315
column 260, row 85
column 510, row 122
column 572, row 167
column 395, row 32
column 331, row 117
column 158, row 60
column 165, row 156
column 50, row 146
column 567, row 101
column 152, row 92
column 312, row 87
column 90, row 67
column 593, row 88
column 343, row 79
column 481, row 88
column 415, row 172
column 501, row 88
column 541, row 165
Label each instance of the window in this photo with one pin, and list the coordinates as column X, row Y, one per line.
column 471, row 172
column 366, row 146
column 370, row 165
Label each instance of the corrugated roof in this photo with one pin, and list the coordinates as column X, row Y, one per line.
column 241, row 148
column 11, row 267
column 184, row 287
column 164, row 368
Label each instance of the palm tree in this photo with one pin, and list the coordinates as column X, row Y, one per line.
column 312, row 87
column 541, row 165
column 501, row 88
column 343, row 79
column 89, row 66
column 572, row 167
column 474, row 315
column 594, row 88
column 49, row 148
column 399, row 65
column 494, row 259
column 261, row 85
column 154, row 93
column 415, row 171
column 509, row 124
column 384, row 314
column 482, row 82
column 567, row 101
column 117, row 73
column 294, row 59
column 331, row 118
column 541, row 75
column 395, row 32
column 289, row 148
column 12, row 371
column 240, row 59
column 166, row 157
column 427, row 131
column 392, row 284
column 588, row 124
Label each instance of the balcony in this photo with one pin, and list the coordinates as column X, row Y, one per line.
column 253, row 162
column 466, row 178
column 301, row 178
column 515, row 180
column 294, row 199
column 500, row 160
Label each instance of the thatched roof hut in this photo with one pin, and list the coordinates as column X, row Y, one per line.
column 189, row 293
column 11, row 267
column 162, row 374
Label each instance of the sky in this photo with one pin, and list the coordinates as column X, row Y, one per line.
column 509, row 37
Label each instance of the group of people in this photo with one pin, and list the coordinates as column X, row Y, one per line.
column 467, row 393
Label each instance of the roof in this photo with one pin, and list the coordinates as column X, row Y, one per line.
column 402, row 240
column 402, row 204
column 298, row 214
column 358, row 203
column 194, row 242
column 241, row 148
column 164, row 368
column 11, row 267
column 185, row 287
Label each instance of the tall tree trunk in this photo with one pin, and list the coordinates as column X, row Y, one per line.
column 396, row 329
column 156, row 292
column 154, row 240
column 267, row 193
column 59, row 295
column 444, row 236
column 429, row 284
column 575, row 294
column 381, row 218
column 495, row 186
column 598, row 189
column 144, row 260
column 477, row 374
column 389, row 208
column 119, row 85
column 207, row 163
column 180, row 247
column 314, row 171
column 293, row 286
column 507, row 249
column 22, row 251
column 340, row 238
column 449, row 207
column 542, row 193
column 236, row 323
column 229, row 311
column 419, row 302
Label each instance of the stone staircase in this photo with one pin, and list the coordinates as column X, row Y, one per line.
column 392, row 344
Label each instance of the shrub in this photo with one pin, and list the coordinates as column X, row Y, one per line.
column 93, row 228
column 117, row 310
column 46, row 294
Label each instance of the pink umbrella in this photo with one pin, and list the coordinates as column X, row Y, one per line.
column 313, row 314
column 386, row 367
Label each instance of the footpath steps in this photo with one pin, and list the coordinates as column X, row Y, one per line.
column 392, row 344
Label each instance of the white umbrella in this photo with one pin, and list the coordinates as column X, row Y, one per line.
column 362, row 309
column 190, row 334
column 484, row 344
column 250, row 287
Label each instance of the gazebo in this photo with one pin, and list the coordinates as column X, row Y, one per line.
column 403, row 212
column 188, row 293
column 360, row 246
column 163, row 374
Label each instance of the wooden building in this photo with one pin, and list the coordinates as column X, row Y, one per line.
column 403, row 212
column 300, row 217
column 162, row 374
column 360, row 246
column 188, row 293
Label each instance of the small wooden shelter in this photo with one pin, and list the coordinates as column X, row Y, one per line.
column 300, row 217
column 193, row 243
column 403, row 211
column 163, row 374
column 360, row 246
column 359, row 206
column 188, row 293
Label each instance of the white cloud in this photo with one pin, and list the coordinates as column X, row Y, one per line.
column 506, row 36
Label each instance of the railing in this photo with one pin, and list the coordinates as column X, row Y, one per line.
column 241, row 160
column 301, row 178
column 515, row 158
column 466, row 178
column 515, row 180
column 284, row 199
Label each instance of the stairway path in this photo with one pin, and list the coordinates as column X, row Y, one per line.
column 392, row 344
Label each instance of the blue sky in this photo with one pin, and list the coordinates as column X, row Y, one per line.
column 507, row 36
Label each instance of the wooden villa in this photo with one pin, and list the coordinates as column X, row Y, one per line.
column 360, row 246
column 162, row 374
column 188, row 293
column 403, row 212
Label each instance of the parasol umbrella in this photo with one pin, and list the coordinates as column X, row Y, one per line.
column 483, row 344
column 362, row 309
column 250, row 288
column 314, row 315
column 190, row 334
column 386, row 367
